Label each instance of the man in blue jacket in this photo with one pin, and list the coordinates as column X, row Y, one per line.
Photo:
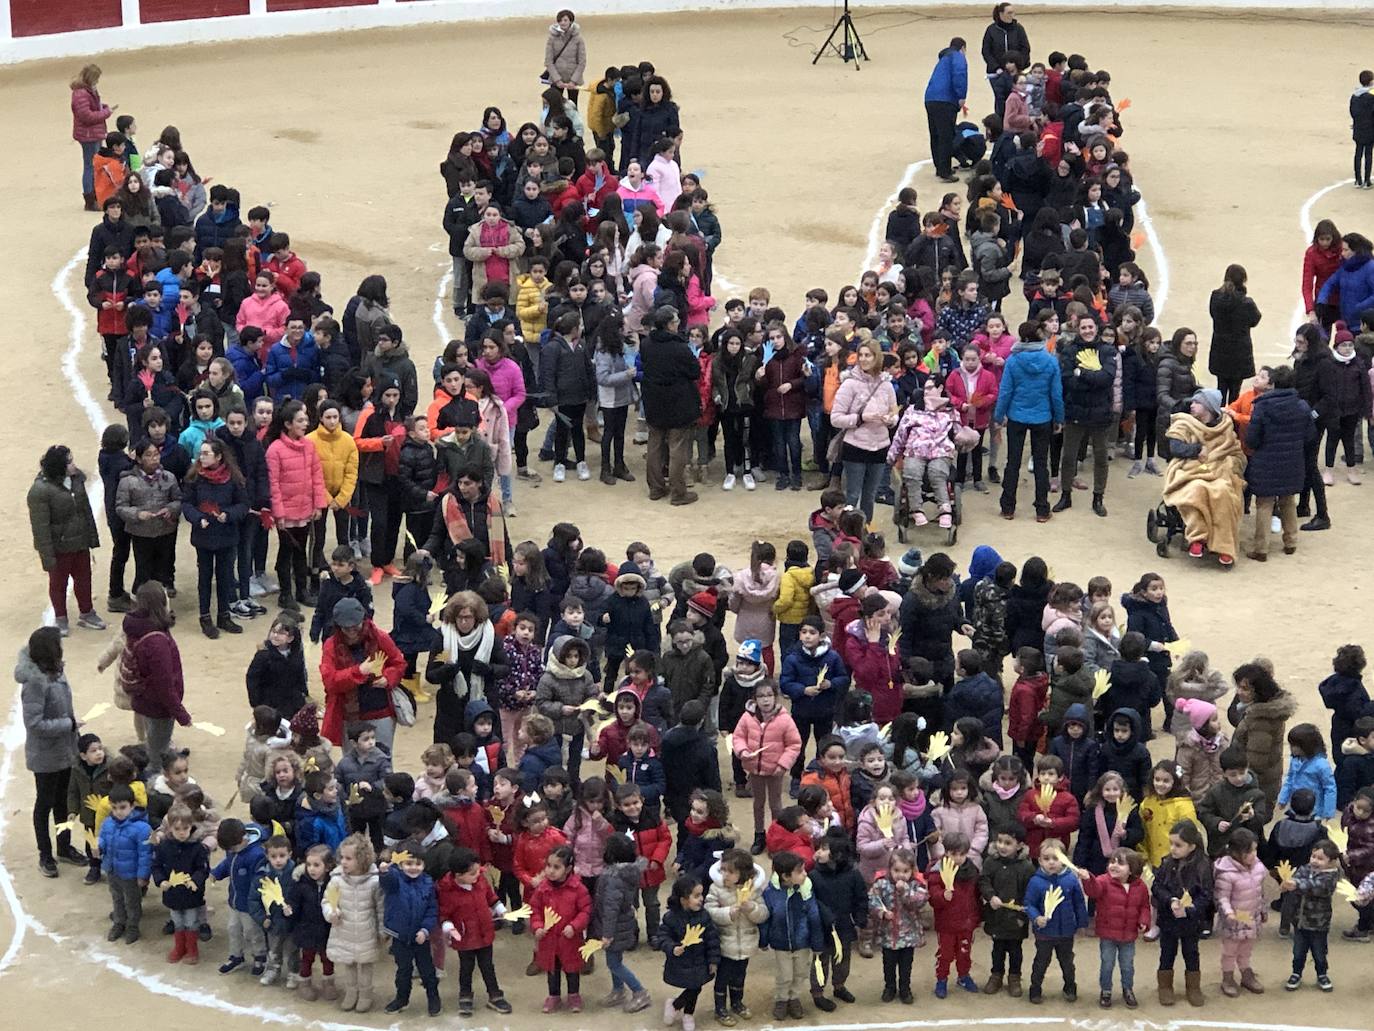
column 1029, row 400
column 945, row 93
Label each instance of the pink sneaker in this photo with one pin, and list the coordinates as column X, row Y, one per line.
column 552, row 1003
column 946, row 520
column 1195, row 549
column 919, row 518
column 574, row 1003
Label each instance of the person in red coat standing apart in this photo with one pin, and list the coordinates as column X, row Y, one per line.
column 360, row 666
column 88, row 126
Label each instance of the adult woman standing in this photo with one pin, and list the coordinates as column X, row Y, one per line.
column 298, row 497
column 1004, row 36
column 1260, row 713
column 1175, row 381
column 150, row 668
column 657, row 118
column 565, row 55
column 64, row 533
column 1231, row 358
column 360, row 665
column 1310, row 355
column 214, row 502
column 1280, row 425
column 88, row 126
column 49, row 741
column 865, row 408
column 474, row 666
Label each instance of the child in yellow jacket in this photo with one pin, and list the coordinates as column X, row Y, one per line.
column 1165, row 804
column 531, row 305
column 794, row 594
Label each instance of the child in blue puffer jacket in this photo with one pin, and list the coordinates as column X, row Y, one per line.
column 242, row 866
column 793, row 931
column 126, row 859
column 410, row 917
column 1308, row 767
column 1054, row 932
column 272, row 915
column 319, row 815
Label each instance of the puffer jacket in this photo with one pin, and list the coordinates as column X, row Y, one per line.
column 842, row 895
column 784, row 367
column 138, row 493
column 967, row 819
column 752, row 603
column 1122, row 909
column 1232, row 354
column 408, row 905
column 615, row 379
column 466, row 910
column 338, row 463
column 802, row 669
column 894, row 911
column 296, row 479
column 739, row 937
column 60, row 518
column 865, row 407
column 961, row 914
column 1239, row 896
column 766, row 747
column 1071, row 914
column 1087, row 394
column 1354, row 282
column 615, row 903
column 565, row 54
column 1175, row 382
column 794, row 918
column 199, row 496
column 1359, row 852
column 837, row 786
column 126, row 850
column 928, row 621
column 875, row 847
column 979, row 697
column 570, row 900
column 49, row 719
column 356, row 916
column 1261, row 733
column 794, row 594
column 189, row 857
column 1006, row 879
column 1342, row 389
column 561, row 685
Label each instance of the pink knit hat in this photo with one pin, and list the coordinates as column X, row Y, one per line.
column 1197, row 711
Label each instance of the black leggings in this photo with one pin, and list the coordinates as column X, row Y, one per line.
column 1146, row 424
column 50, row 797
column 733, row 425
column 1169, row 944
column 568, row 423
column 522, row 449
column 293, row 567
column 729, row 986
column 1346, row 429
column 897, row 969
column 686, row 1001
column 1364, row 152
column 1229, row 387
column 1312, row 486
column 384, row 510
column 480, row 958
column 574, row 980
column 613, row 435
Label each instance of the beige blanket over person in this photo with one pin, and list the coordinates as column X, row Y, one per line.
column 1207, row 490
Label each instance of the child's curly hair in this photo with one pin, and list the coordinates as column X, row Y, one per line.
column 361, row 846
column 716, row 807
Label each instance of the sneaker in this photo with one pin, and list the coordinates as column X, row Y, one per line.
column 1195, row 549
column 269, row 976
column 1293, row 983
column 47, row 866
column 255, row 587
column 671, row 1012
column 638, row 1001
column 689, row 1022
column 794, row 1009
column 615, row 998
column 889, row 994
column 259, row 965
column 968, row 984
column 760, row 475
column 574, row 1003
column 941, row 989
column 559, row 475
column 92, row 875
column 117, row 931
column 946, row 520
column 725, row 1018
column 1355, row 935
column 231, row 964
column 1352, row 476
column 740, row 1010
column 70, row 855
column 980, row 486
column 1105, row 999
column 822, row 1003
column 843, row 994
column 1136, row 469
column 91, row 621
column 532, row 478
column 465, row 1007
column 993, row 475
column 782, row 483
column 583, row 472
column 1324, row 983
column 729, row 483
column 498, row 1004
column 396, row 1005
column 919, row 518
column 1328, row 477
column 119, row 603
column 374, row 578
column 243, row 609
column 551, row 1004
column 1152, row 467
column 750, row 482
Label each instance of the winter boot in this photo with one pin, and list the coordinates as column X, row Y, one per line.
column 1014, row 986
column 758, row 847
column 327, row 990
column 1098, row 507
column 1229, row 988
column 192, row 940
column 178, row 949
column 89, row 198
column 607, row 476
column 865, row 943
column 348, row 979
column 1065, row 502
column 1250, row 982
column 416, row 686
column 1166, row 988
column 306, row 988
column 994, row 984
column 1192, row 981
column 622, row 472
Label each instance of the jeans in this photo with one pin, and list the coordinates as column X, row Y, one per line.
column 1305, row 942
column 481, row 959
column 50, row 797
column 1169, row 945
column 409, row 955
column 574, row 763
column 127, row 896
column 123, row 546
column 76, row 567
column 1040, row 434
column 89, row 148
column 1062, row 950
column 815, row 728
column 861, row 481
column 243, row 555
column 567, row 425
column 1112, row 953
column 940, row 120
column 613, row 436
column 897, row 969
column 185, row 919
column 1075, row 434
column 787, row 449
column 621, row 975
column 215, row 566
column 1006, row 956
column 819, row 423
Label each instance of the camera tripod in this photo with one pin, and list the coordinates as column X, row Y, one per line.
column 849, row 47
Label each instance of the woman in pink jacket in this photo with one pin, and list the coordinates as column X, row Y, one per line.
column 865, row 408
column 767, row 744
column 507, row 381
column 644, row 266
column 751, row 600
column 972, row 390
column 265, row 309
column 88, row 126
column 298, row 496
column 1238, row 878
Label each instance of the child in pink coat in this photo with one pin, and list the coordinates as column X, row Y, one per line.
column 875, row 845
column 959, row 811
column 767, row 743
column 1238, row 879
column 923, row 447
column 972, row 391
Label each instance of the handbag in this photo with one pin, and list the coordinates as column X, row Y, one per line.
column 835, row 448
column 403, row 702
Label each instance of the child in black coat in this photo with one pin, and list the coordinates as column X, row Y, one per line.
column 342, row 581
column 1122, row 751
column 843, row 899
column 688, row 967
column 183, row 895
column 276, row 675
column 1132, row 684
column 309, row 928
column 629, row 621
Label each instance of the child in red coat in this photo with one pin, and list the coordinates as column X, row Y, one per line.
column 646, row 828
column 1028, row 697
column 502, row 812
column 1123, row 912
column 958, row 911
column 560, row 934
column 533, row 845
column 1048, row 810
column 465, row 819
column 791, row 832
column 467, row 908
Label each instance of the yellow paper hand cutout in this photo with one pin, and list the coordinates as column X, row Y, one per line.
column 551, row 916
column 496, row 813
column 214, row 730
column 96, row 711
column 1186, row 899
column 1178, row 648
column 1053, row 898
column 401, row 856
column 1089, row 361
column 939, row 747
column 948, row 869
column 892, row 641
column 1347, row 891
column 1337, row 835
column 820, row 972
column 1243, row 916
column 1284, row 869
column 629, row 651
column 589, row 948
column 181, row 879
column 91, row 802
column 742, row 895
column 884, row 816
column 1102, row 680
column 1148, row 876
column 1065, row 860
column 1124, row 809
column 331, row 894
column 1044, row 798
column 311, row 765
column 355, row 795
column 269, row 890
column 693, row 935
column 839, row 945
column 523, row 913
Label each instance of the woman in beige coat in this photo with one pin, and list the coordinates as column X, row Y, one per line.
column 492, row 245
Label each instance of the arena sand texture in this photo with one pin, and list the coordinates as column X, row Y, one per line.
column 1229, row 132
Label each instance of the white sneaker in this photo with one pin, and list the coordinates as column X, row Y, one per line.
column 1275, row 525
column 760, row 475
column 583, row 473
column 559, row 474
column 749, row 482
column 641, row 436
column 729, row 483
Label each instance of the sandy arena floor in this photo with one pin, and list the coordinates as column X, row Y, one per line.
column 1228, row 138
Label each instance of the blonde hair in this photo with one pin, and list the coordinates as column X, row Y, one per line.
column 437, row 755
column 87, row 77
column 361, row 845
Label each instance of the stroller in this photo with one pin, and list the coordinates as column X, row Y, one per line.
column 903, row 511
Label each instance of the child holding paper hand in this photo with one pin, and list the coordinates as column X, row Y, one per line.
column 467, row 908
column 616, row 922
column 894, row 906
column 1123, row 913
column 410, row 915
column 1048, row 810
column 953, row 886
column 691, row 946
column 181, row 867
column 560, row 910
column 1057, row 910
column 735, row 904
column 1239, row 880
column 1314, row 883
column 1181, row 892
column 882, row 830
column 1006, row 874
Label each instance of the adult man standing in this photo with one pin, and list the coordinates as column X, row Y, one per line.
column 1088, row 368
column 945, row 93
column 672, row 405
column 1029, row 401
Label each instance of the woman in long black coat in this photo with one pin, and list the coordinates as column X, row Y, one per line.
column 1232, row 356
column 1281, row 424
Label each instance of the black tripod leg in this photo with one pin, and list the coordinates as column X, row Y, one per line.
column 829, row 42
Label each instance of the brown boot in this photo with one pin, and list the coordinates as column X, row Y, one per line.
column 1192, row 986
column 1229, row 988
column 994, row 984
column 91, row 205
column 1250, row 982
column 1014, row 986
column 1166, row 988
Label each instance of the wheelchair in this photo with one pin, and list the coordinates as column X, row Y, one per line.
column 1164, row 528
column 903, row 511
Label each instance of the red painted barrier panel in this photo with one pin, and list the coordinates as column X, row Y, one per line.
column 151, row 11
column 46, row 17
column 308, row 5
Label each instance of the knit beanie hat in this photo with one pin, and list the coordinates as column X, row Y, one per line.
column 1196, row 710
column 703, row 602
column 306, row 722
column 910, row 563
column 852, row 581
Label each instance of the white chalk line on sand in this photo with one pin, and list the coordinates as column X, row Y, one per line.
column 1307, row 227
column 876, row 227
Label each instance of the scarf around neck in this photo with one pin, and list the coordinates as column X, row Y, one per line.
column 482, row 638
